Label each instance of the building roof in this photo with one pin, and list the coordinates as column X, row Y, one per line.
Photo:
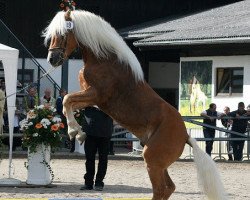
column 227, row 24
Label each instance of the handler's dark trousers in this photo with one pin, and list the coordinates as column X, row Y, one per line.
column 208, row 133
column 91, row 146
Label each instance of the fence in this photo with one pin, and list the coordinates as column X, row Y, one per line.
column 219, row 146
column 124, row 138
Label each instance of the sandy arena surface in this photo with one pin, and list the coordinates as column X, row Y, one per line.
column 125, row 179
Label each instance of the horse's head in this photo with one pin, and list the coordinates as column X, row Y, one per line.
column 62, row 45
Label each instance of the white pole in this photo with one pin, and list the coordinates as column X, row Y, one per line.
column 11, row 113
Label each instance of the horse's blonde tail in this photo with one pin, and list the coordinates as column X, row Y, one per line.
column 208, row 175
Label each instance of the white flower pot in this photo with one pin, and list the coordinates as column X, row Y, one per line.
column 38, row 172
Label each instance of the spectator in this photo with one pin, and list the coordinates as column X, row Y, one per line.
column 30, row 100
column 227, row 123
column 99, row 128
column 210, row 116
column 248, row 123
column 59, row 102
column 3, row 87
column 59, row 110
column 240, row 126
column 47, row 99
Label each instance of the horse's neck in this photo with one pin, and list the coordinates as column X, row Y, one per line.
column 88, row 56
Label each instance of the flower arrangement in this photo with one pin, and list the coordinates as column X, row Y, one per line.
column 67, row 5
column 41, row 126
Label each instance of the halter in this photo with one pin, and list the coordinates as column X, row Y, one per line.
column 61, row 47
column 69, row 26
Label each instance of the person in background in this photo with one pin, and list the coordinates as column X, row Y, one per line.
column 30, row 100
column 99, row 128
column 59, row 110
column 3, row 87
column 240, row 126
column 47, row 99
column 227, row 123
column 59, row 102
column 210, row 116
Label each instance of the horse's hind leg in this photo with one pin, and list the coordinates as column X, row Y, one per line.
column 170, row 186
column 156, row 175
column 162, row 184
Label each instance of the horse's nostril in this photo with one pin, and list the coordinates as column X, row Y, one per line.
column 51, row 60
column 55, row 58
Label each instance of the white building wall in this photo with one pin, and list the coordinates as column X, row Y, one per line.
column 228, row 61
column 74, row 67
column 56, row 74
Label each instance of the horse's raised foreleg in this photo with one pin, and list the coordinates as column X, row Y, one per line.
column 79, row 100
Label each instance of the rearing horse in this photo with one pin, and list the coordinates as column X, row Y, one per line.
column 112, row 79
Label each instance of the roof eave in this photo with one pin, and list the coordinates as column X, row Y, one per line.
column 193, row 42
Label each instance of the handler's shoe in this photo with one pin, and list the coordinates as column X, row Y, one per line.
column 98, row 188
column 86, row 187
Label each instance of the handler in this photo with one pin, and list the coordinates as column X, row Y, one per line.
column 99, row 128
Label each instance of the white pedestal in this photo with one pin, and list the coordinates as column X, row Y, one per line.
column 38, row 172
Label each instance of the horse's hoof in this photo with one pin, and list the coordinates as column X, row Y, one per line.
column 72, row 133
column 81, row 136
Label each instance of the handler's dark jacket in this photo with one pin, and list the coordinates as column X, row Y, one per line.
column 97, row 123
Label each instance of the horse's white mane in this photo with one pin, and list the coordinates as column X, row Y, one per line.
column 95, row 33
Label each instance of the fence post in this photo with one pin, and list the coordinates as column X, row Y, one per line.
column 220, row 154
column 248, row 143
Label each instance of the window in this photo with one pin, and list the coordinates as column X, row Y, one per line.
column 229, row 81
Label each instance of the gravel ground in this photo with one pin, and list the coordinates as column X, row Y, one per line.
column 124, row 179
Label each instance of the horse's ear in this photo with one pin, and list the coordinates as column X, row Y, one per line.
column 67, row 15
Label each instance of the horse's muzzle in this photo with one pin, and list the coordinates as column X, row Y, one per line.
column 55, row 58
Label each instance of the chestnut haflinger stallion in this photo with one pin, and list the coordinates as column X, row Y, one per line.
column 112, row 79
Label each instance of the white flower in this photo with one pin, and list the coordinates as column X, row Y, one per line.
column 35, row 134
column 40, row 107
column 30, row 124
column 23, row 124
column 53, row 109
column 45, row 121
column 56, row 119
